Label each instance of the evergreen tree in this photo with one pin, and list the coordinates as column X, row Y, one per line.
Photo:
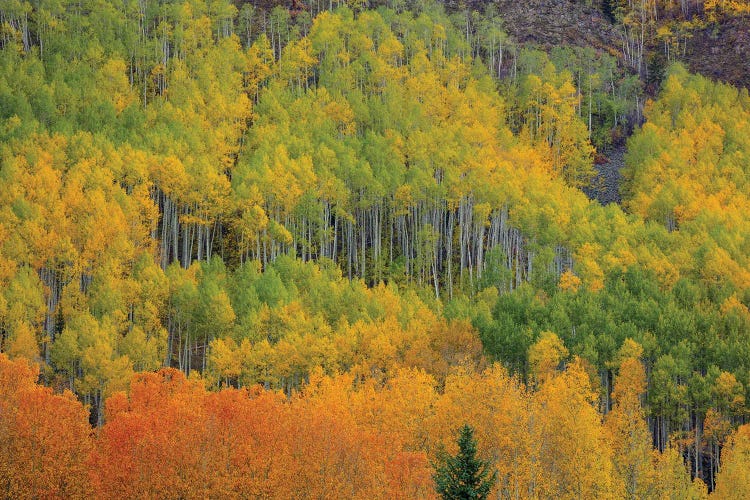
column 464, row 476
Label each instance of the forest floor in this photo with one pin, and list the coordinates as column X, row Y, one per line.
column 605, row 188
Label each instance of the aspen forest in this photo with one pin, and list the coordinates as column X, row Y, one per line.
column 265, row 249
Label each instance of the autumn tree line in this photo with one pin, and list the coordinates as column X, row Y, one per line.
column 315, row 248
column 169, row 437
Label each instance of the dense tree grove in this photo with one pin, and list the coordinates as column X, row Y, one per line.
column 269, row 254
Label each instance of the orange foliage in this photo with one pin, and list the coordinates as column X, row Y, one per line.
column 170, row 437
column 342, row 437
column 44, row 437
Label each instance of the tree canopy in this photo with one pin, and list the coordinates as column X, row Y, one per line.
column 292, row 252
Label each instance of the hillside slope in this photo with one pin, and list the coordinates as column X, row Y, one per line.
column 722, row 51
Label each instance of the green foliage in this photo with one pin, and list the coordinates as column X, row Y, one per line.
column 464, row 476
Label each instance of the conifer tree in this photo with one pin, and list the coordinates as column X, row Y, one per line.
column 464, row 476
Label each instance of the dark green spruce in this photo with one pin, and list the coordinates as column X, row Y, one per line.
column 464, row 476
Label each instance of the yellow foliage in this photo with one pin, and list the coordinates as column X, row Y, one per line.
column 23, row 343
column 545, row 355
column 569, row 282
